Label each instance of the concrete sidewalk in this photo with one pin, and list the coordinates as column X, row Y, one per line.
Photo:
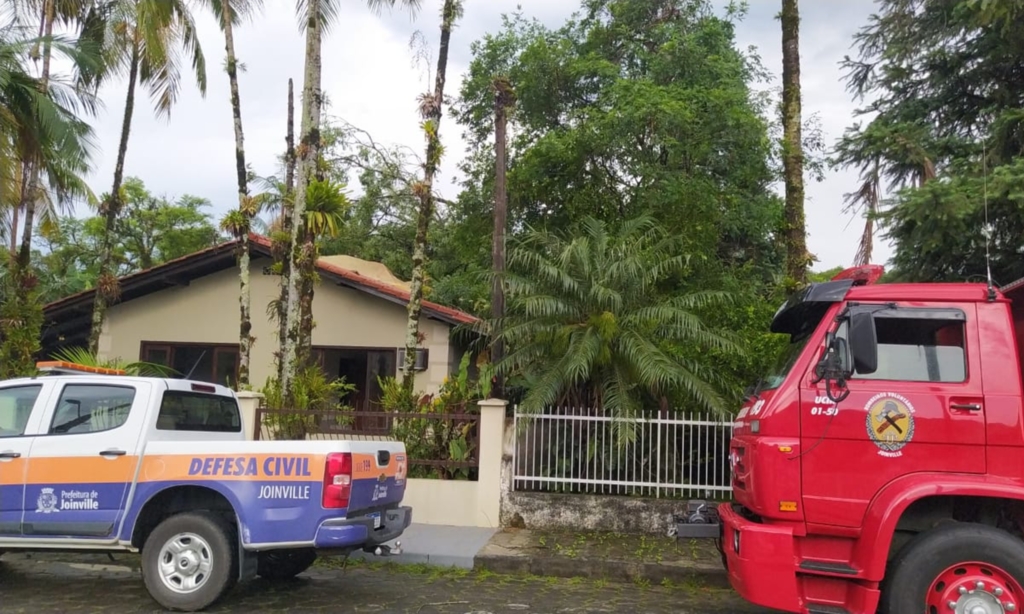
column 444, row 546
column 622, row 557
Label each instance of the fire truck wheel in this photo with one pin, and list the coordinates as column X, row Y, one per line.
column 958, row 567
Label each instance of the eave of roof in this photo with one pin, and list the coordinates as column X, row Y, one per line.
column 181, row 271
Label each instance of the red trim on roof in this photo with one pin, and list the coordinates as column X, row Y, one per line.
column 360, row 282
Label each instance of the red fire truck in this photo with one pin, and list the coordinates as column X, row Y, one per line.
column 880, row 465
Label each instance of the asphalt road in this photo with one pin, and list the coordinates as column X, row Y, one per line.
column 69, row 584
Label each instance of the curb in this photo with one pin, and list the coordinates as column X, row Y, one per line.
column 593, row 569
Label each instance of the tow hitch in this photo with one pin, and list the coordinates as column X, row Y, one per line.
column 700, row 521
column 384, row 550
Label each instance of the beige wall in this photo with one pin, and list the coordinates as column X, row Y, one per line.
column 206, row 311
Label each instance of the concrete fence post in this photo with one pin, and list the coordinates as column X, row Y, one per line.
column 492, row 436
column 248, row 402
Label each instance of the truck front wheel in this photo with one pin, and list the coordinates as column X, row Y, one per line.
column 957, row 567
column 284, row 564
column 189, row 561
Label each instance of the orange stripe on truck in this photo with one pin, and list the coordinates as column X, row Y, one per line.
column 81, row 469
column 233, row 467
column 12, row 472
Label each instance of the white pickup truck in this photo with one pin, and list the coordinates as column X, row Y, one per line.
column 93, row 460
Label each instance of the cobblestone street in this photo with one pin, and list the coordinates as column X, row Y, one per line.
column 94, row 584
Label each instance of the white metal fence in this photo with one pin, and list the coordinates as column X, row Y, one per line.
column 580, row 450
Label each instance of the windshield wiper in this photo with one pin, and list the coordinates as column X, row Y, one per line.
column 753, row 391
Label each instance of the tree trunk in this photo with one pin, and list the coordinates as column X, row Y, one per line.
column 106, row 282
column 295, row 357
column 503, row 99
column 282, row 238
column 430, row 109
column 30, row 196
column 245, row 339
column 795, row 235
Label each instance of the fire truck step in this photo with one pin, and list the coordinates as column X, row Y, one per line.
column 828, row 567
column 826, row 609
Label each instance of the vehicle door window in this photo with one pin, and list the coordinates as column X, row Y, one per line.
column 925, row 349
column 91, row 408
column 15, row 409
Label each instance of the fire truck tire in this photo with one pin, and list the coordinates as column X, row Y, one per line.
column 956, row 567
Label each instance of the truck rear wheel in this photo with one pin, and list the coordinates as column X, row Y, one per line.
column 189, row 561
column 284, row 564
column 957, row 567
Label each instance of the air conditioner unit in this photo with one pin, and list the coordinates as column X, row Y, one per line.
column 420, row 364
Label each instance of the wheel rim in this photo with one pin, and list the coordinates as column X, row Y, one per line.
column 185, row 563
column 974, row 588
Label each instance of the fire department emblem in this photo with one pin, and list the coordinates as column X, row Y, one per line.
column 890, row 423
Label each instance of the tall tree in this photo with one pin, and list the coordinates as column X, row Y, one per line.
column 141, row 38
column 943, row 122
column 316, row 16
column 795, row 234
column 281, row 237
column 229, row 14
column 430, row 111
column 503, row 100
column 39, row 128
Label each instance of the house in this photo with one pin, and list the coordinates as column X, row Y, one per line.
column 185, row 314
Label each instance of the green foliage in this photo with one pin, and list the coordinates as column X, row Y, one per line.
column 82, row 356
column 151, row 231
column 434, row 437
column 945, row 108
column 21, row 318
column 632, row 107
column 312, row 393
column 594, row 320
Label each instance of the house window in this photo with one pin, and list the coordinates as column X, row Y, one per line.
column 216, row 364
column 360, row 367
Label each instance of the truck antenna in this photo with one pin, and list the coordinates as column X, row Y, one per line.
column 192, row 370
column 988, row 228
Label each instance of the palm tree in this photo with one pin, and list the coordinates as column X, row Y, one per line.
column 589, row 322
column 430, row 112
column 326, row 208
column 65, row 184
column 45, row 138
column 140, row 38
column 316, row 15
column 39, row 128
column 81, row 356
column 229, row 13
column 238, row 223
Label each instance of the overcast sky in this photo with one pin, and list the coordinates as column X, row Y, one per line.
column 371, row 80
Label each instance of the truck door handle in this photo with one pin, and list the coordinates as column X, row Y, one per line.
column 113, row 453
column 967, row 406
column 10, row 454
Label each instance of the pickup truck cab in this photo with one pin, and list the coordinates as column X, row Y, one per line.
column 880, row 465
column 93, row 460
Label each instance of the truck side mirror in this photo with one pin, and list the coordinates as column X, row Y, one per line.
column 864, row 342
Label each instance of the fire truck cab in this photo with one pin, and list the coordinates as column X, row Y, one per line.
column 880, row 464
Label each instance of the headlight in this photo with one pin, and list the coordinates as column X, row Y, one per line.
column 736, row 541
